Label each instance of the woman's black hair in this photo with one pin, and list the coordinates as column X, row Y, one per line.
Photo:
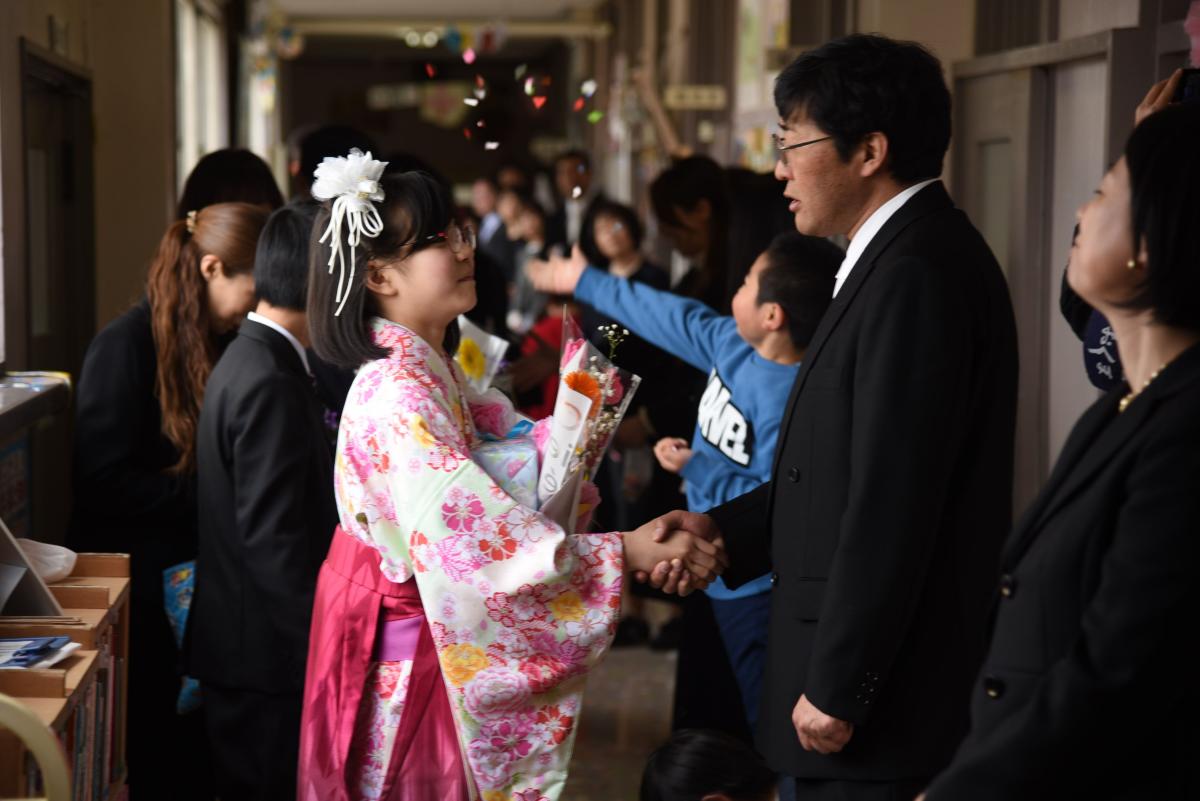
column 799, row 275
column 683, row 185
column 1163, row 157
column 622, row 214
column 281, row 261
column 696, row 762
column 230, row 175
column 863, row 83
column 415, row 206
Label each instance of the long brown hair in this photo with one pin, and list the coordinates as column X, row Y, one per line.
column 183, row 337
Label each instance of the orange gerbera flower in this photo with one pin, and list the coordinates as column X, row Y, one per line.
column 585, row 384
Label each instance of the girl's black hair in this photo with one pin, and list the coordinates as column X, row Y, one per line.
column 415, row 206
column 1164, row 183
column 622, row 214
column 697, row 762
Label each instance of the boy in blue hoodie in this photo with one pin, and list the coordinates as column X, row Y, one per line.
column 752, row 359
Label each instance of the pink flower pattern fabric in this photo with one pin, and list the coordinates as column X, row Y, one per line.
column 519, row 609
column 382, row 706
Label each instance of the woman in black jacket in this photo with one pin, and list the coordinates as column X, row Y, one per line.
column 137, row 403
column 1086, row 691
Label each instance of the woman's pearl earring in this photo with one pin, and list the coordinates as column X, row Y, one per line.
column 1130, row 265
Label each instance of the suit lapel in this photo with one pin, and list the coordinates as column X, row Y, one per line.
column 930, row 199
column 1077, row 445
column 1097, row 438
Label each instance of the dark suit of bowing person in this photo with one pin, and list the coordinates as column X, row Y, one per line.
column 1088, row 690
column 891, row 491
column 265, row 470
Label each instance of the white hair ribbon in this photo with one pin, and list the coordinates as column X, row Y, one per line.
column 352, row 183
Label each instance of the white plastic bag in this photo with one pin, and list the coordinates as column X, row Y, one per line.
column 51, row 562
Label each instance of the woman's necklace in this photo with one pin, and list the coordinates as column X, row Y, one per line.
column 1133, row 393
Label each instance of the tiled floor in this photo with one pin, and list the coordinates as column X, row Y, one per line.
column 626, row 715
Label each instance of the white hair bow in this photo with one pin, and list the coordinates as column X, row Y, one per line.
column 352, row 183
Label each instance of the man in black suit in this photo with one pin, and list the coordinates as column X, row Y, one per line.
column 578, row 197
column 891, row 491
column 265, row 469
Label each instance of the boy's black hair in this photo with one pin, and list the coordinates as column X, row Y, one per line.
column 281, row 260
column 863, row 83
column 696, row 763
column 799, row 275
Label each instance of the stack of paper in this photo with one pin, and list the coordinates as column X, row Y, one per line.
column 17, row 653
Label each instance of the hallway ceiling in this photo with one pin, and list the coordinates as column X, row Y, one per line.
column 448, row 10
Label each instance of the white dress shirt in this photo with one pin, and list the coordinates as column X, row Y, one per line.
column 258, row 318
column 871, row 227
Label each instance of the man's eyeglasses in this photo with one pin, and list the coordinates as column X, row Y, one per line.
column 782, row 150
column 458, row 237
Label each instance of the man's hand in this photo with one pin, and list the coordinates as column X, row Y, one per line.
column 1158, row 98
column 672, row 578
column 817, row 731
column 646, row 549
column 557, row 275
column 672, row 453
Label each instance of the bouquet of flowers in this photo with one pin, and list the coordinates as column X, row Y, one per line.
column 593, row 395
column 479, row 354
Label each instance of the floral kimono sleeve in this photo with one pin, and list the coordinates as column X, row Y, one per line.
column 519, row 608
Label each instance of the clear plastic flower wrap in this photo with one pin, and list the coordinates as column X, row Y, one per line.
column 593, row 395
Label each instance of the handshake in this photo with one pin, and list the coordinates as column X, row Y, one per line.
column 678, row 552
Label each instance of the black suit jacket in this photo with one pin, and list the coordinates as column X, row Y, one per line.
column 556, row 231
column 1086, row 691
column 267, row 513
column 888, row 503
column 125, row 500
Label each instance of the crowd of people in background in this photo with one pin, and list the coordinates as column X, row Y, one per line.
column 208, row 418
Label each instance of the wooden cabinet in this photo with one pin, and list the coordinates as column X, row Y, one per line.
column 82, row 699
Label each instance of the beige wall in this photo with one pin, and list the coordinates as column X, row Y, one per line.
column 948, row 29
column 126, row 47
column 1081, row 17
column 134, row 94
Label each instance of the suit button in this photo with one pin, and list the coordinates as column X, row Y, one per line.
column 774, row 579
column 1008, row 586
column 993, row 687
column 794, row 475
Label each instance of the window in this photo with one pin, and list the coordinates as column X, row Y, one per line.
column 201, row 83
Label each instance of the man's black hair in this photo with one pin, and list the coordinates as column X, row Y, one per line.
column 864, row 83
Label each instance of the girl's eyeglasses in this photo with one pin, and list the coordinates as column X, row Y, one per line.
column 460, row 239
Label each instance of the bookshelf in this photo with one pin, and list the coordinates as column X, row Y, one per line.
column 82, row 699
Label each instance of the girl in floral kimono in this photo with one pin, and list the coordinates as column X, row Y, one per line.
column 452, row 627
